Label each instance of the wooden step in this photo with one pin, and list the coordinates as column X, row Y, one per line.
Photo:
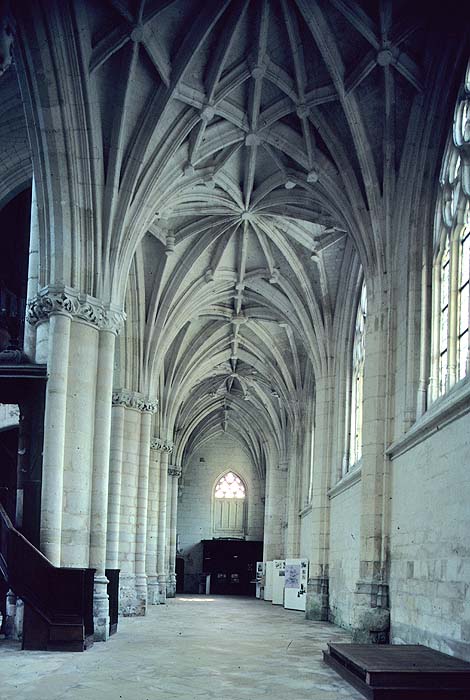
column 400, row 672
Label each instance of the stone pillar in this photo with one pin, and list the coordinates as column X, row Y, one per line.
column 161, row 545
column 293, row 502
column 29, row 345
column 275, row 511
column 371, row 616
column 152, row 522
column 174, row 474
column 53, row 319
column 100, row 479
column 118, row 412
column 169, row 495
column 79, row 438
column 317, row 587
column 133, row 501
column 142, row 503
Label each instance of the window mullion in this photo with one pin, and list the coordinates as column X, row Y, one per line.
column 453, row 312
column 435, row 342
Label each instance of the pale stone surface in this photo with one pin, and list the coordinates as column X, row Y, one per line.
column 221, row 647
column 195, row 517
column 430, row 553
column 344, row 554
column 234, row 209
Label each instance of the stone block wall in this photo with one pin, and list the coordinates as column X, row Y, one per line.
column 195, row 500
column 430, row 542
column 344, row 553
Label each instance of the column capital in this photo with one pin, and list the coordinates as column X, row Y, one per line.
column 60, row 299
column 157, row 443
column 174, row 470
column 135, row 400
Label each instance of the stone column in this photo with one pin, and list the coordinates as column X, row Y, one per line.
column 317, row 587
column 52, row 315
column 115, row 474
column 275, row 511
column 169, row 495
column 79, row 439
column 100, row 479
column 371, row 616
column 293, row 503
column 152, row 521
column 161, row 545
column 142, row 503
column 29, row 345
column 174, row 474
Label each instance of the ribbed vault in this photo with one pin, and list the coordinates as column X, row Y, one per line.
column 250, row 150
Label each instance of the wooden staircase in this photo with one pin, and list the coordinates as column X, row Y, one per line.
column 58, row 614
column 400, row 672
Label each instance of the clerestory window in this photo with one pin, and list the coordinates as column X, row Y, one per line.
column 451, row 267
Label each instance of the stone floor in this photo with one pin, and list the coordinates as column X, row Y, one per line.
column 194, row 647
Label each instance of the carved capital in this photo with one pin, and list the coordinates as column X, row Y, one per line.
column 149, row 405
column 113, row 320
column 59, row 299
column 174, row 470
column 159, row 444
column 52, row 300
column 133, row 399
column 156, row 444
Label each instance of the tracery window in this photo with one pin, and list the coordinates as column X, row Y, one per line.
column 357, row 381
column 229, row 506
column 230, row 486
column 451, row 268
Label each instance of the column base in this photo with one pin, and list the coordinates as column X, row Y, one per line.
column 132, row 596
column 101, row 609
column 371, row 616
column 317, row 603
column 171, row 586
column 152, row 590
column 161, row 589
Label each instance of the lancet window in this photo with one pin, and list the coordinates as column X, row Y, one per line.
column 357, row 381
column 451, row 266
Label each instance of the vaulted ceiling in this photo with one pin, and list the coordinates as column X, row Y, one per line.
column 250, row 153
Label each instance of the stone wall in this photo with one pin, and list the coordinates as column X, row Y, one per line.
column 195, row 506
column 344, row 553
column 430, row 545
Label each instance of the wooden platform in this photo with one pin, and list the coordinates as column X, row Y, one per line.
column 400, row 672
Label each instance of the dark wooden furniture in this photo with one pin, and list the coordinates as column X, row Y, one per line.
column 400, row 672
column 232, row 565
column 113, row 593
column 58, row 602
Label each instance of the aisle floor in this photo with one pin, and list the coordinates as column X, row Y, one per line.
column 214, row 648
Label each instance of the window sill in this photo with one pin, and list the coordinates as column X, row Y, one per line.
column 453, row 405
column 348, row 480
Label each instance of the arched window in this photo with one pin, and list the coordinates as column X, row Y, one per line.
column 357, row 381
column 229, row 506
column 451, row 267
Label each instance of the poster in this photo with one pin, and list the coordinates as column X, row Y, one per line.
column 292, row 576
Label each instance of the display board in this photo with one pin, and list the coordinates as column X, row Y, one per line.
column 279, row 566
column 260, row 573
column 268, row 581
column 296, row 577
